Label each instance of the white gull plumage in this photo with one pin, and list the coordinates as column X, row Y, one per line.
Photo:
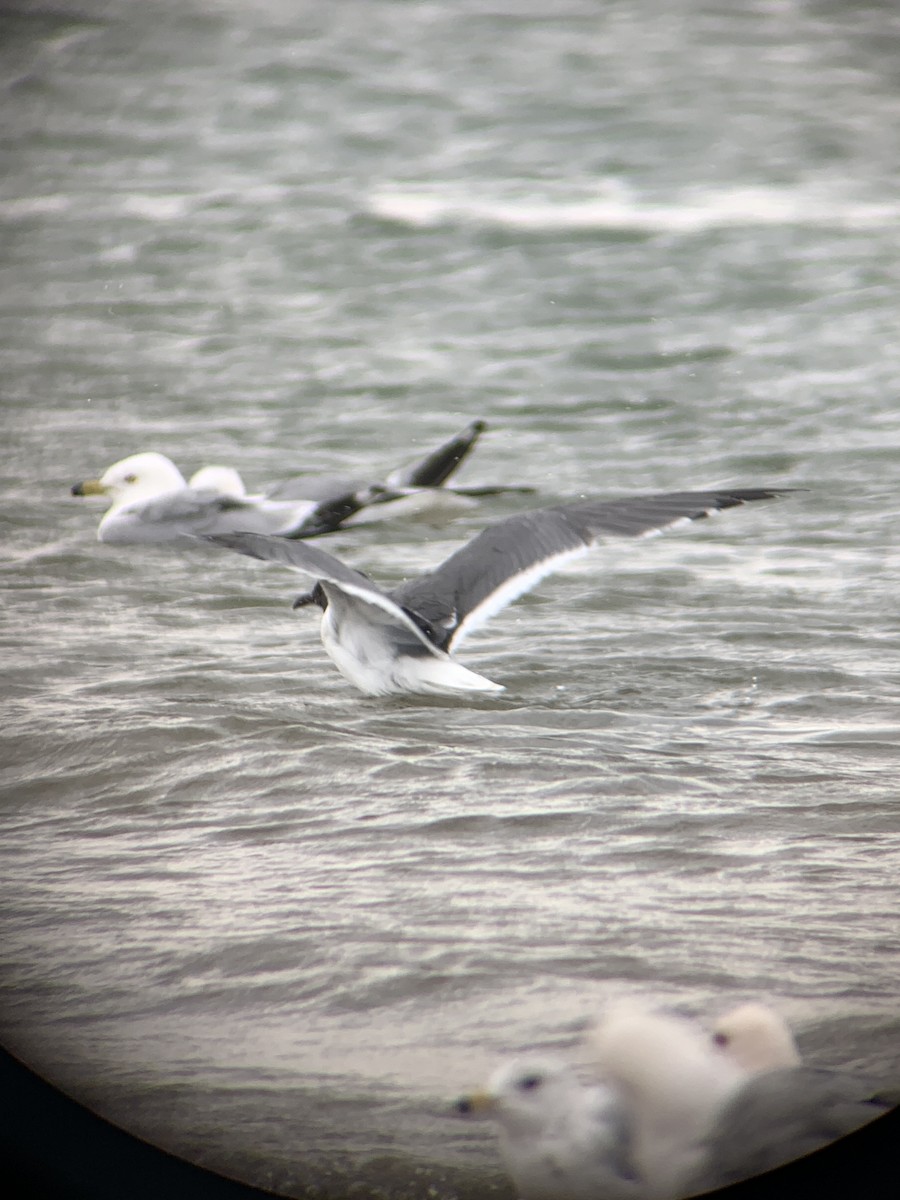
column 400, row 641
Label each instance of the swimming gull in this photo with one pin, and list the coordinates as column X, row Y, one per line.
column 151, row 502
column 400, row 641
column 672, row 1083
column 756, row 1037
column 559, row 1139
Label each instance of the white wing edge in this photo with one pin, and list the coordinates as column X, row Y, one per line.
column 511, row 589
column 675, row 523
column 524, row 581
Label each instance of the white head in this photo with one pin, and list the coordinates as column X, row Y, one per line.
column 526, row 1095
column 138, row 477
column 756, row 1037
column 224, row 480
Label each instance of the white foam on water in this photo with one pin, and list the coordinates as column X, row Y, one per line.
column 614, row 206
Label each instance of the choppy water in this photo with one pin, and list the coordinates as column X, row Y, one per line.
column 272, row 924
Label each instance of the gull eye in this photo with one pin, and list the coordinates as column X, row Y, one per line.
column 721, row 1039
column 131, row 478
column 529, row 1082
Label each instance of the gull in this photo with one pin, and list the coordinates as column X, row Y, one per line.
column 783, row 1110
column 151, row 502
column 672, row 1084
column 756, row 1037
column 559, row 1139
column 400, row 641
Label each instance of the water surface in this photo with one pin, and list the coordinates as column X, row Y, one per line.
column 277, row 926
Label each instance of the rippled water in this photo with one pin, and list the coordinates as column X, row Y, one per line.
column 273, row 924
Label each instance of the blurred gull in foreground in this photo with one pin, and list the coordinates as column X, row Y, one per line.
column 706, row 1113
column 151, row 502
column 671, row 1083
column 783, row 1110
column 559, row 1139
column 400, row 641
column 669, row 1113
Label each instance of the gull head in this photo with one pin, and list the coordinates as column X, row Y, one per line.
column 756, row 1037
column 225, row 480
column 138, row 477
column 525, row 1095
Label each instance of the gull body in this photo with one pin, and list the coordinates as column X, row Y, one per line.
column 672, row 1084
column 400, row 641
column 559, row 1139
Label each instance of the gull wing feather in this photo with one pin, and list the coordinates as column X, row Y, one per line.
column 511, row 557
column 325, row 568
column 780, row 1115
column 439, row 465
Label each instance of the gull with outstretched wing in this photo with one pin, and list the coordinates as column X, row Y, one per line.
column 401, row 641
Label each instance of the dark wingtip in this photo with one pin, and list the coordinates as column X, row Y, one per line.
column 434, row 470
column 735, row 496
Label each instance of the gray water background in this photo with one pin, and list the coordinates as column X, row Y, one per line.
column 274, row 925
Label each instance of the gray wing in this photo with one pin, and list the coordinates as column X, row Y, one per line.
column 509, row 558
column 614, row 1151
column 190, row 505
column 308, row 560
column 782, row 1115
column 324, row 489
